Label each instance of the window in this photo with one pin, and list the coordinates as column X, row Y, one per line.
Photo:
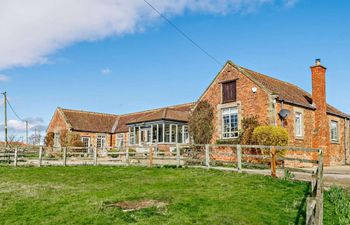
column 179, row 134
column 167, row 133
column 229, row 92
column 86, row 142
column 230, row 123
column 56, row 140
column 160, row 133
column 132, row 136
column 173, row 133
column 101, row 141
column 120, row 140
column 186, row 135
column 298, row 124
column 334, row 131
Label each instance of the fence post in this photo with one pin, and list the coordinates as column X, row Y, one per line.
column 273, row 161
column 319, row 191
column 40, row 156
column 127, row 157
column 239, row 158
column 95, row 156
column 207, row 156
column 16, row 155
column 150, row 156
column 178, row 162
column 64, row 156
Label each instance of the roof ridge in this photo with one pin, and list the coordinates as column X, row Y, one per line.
column 286, row 82
column 83, row 111
column 157, row 109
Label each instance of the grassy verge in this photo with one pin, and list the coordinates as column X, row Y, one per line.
column 79, row 195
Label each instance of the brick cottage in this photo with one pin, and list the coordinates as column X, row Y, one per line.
column 235, row 93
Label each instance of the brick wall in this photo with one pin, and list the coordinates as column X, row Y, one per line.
column 57, row 123
column 248, row 103
column 337, row 148
column 93, row 137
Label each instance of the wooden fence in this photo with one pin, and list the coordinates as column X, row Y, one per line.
column 268, row 160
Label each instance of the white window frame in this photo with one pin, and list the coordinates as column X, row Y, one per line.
column 299, row 123
column 334, row 131
column 102, row 139
column 89, row 141
column 229, row 112
column 119, row 140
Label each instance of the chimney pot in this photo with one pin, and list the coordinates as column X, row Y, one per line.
column 318, row 62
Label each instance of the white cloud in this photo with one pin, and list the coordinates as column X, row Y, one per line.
column 20, row 126
column 3, row 78
column 106, row 71
column 31, row 30
column 290, row 3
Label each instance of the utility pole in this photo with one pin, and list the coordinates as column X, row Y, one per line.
column 27, row 142
column 5, row 123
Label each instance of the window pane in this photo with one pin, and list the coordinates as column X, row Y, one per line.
column 186, row 135
column 154, row 138
column 173, row 133
column 167, row 133
column 334, row 131
column 230, row 123
column 179, row 134
column 160, row 133
column 298, row 124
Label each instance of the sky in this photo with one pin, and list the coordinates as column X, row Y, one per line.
column 117, row 56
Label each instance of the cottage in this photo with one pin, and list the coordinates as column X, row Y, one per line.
column 165, row 126
column 235, row 93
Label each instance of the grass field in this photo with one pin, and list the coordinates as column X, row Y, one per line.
column 81, row 195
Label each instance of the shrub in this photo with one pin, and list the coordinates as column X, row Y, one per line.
column 270, row 136
column 248, row 126
column 69, row 139
column 338, row 204
column 201, row 123
column 49, row 139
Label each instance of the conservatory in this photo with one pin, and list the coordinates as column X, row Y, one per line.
column 160, row 132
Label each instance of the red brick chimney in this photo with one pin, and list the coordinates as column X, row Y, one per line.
column 321, row 136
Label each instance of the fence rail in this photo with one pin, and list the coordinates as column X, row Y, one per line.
column 275, row 160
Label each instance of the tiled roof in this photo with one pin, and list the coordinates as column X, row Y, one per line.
column 89, row 121
column 174, row 113
column 163, row 114
column 109, row 123
column 287, row 92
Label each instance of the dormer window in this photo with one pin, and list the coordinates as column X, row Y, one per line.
column 229, row 91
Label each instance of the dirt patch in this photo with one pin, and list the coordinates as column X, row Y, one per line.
column 130, row 206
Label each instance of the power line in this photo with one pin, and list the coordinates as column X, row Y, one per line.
column 14, row 112
column 183, row 33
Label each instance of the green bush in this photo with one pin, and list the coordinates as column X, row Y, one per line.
column 248, row 126
column 270, row 136
column 201, row 123
column 337, row 203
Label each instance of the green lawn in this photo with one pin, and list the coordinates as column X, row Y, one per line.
column 79, row 195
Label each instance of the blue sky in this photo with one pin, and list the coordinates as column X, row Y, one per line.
column 154, row 66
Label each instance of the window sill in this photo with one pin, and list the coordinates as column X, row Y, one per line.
column 299, row 138
column 335, row 142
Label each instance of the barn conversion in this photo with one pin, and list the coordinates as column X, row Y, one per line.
column 235, row 93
